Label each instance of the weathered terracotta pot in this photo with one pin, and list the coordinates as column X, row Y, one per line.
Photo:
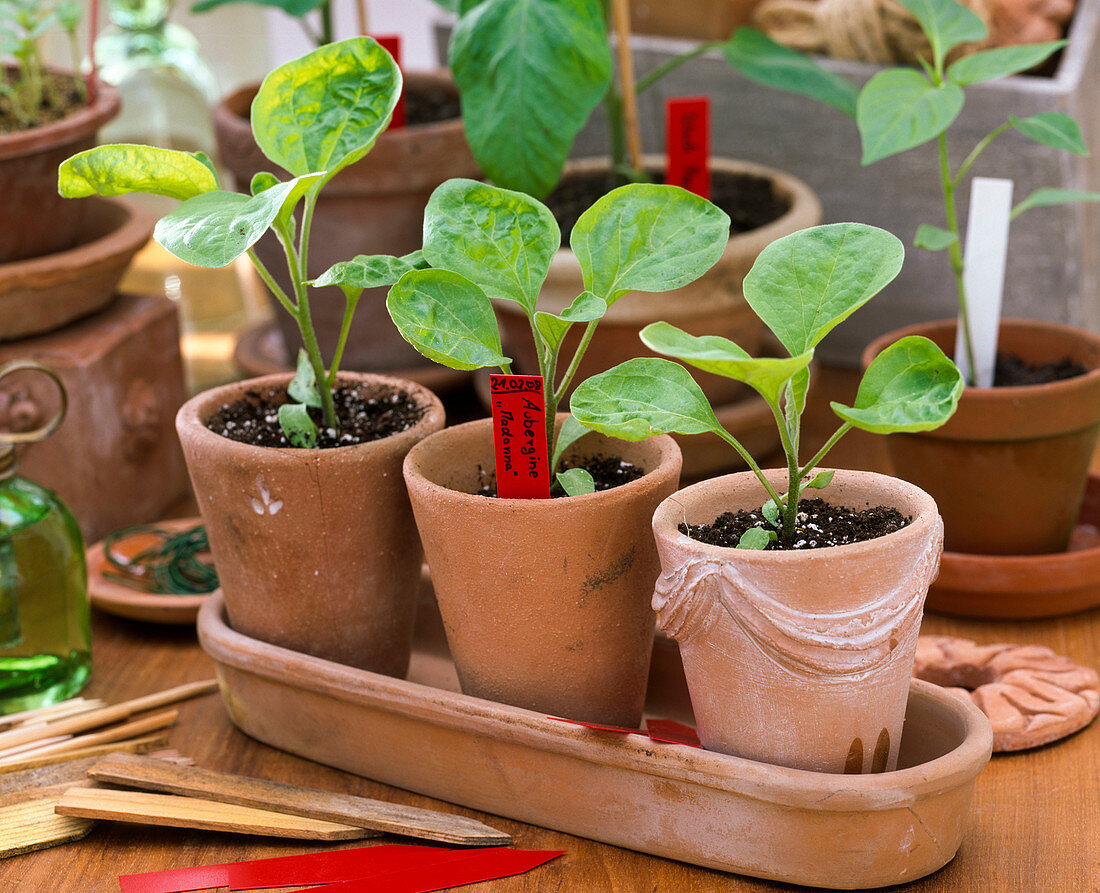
column 798, row 658
column 316, row 549
column 376, row 206
column 712, row 305
column 37, row 220
column 545, row 601
column 1009, row 469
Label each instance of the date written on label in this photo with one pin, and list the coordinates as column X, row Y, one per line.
column 519, row 436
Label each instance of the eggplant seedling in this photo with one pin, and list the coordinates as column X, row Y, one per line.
column 801, row 286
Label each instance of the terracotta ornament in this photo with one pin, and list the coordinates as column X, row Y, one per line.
column 1031, row 695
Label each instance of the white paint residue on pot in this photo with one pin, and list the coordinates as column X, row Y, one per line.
column 265, row 504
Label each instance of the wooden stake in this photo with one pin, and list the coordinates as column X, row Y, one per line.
column 118, row 733
column 135, row 745
column 361, row 12
column 50, row 713
column 620, row 15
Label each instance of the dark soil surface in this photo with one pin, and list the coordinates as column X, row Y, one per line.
column 61, row 99
column 365, row 414
column 749, row 200
column 819, row 525
column 1012, row 372
column 607, row 473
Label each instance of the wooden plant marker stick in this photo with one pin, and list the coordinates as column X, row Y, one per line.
column 33, row 825
column 30, row 747
column 620, row 15
column 51, row 713
column 106, row 715
column 134, row 745
column 118, row 733
column 169, row 811
column 152, row 775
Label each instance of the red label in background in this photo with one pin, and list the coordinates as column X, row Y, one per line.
column 391, row 43
column 687, row 143
column 519, row 435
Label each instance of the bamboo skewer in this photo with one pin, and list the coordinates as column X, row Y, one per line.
column 50, row 713
column 32, row 746
column 134, row 745
column 119, row 733
column 620, row 15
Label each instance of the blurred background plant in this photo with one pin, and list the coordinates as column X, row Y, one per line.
column 29, row 93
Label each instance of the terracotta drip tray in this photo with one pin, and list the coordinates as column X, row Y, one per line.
column 675, row 801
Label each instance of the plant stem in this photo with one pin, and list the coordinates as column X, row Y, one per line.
column 270, row 282
column 345, row 327
column 790, row 450
column 326, row 22
column 578, row 355
column 829, row 444
column 744, row 454
column 620, row 14
column 955, row 253
column 613, row 108
column 672, row 64
column 975, row 152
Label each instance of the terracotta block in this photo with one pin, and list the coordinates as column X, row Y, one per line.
column 115, row 460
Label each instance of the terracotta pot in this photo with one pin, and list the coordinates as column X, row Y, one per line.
column 37, row 220
column 1008, row 470
column 697, row 19
column 545, row 602
column 712, row 305
column 376, row 206
column 316, row 549
column 798, row 658
column 44, row 293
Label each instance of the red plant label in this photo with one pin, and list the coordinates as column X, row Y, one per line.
column 687, row 144
column 519, row 435
column 391, row 43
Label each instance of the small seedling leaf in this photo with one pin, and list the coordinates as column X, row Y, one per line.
column 820, row 481
column 303, row 387
column 647, row 237
column 1054, row 129
column 910, row 386
column 947, row 24
column 576, row 481
column 1046, row 198
column 989, row 65
column 261, row 182
column 297, row 425
column 587, row 307
column 900, row 108
column 570, row 432
column 447, row 318
column 933, row 238
column 770, row 511
column 756, row 538
column 121, row 169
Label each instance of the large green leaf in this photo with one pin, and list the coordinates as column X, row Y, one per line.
column 1046, row 198
column 910, row 386
column 946, row 24
column 988, row 65
column 530, row 73
column 1054, row 129
column 324, row 110
column 761, row 59
column 711, row 353
column 900, row 108
column 806, row 283
column 122, row 168
column 586, row 307
column 215, row 228
column 447, row 318
column 501, row 239
column 365, row 271
column 643, row 397
column 645, row 237
column 296, row 8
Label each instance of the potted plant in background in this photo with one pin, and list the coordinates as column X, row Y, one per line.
column 298, row 481
column 1009, row 470
column 798, row 642
column 545, row 601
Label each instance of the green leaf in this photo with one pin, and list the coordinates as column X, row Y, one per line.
column 262, row 181
column 365, row 271
column 770, row 511
column 303, row 387
column 761, row 59
column 1045, row 198
column 296, row 8
column 121, row 168
column 932, row 238
column 820, row 481
column 297, row 425
column 447, row 318
column 946, row 24
column 756, row 538
column 643, row 397
column 806, row 283
column 647, row 237
column 711, row 353
column 988, row 65
column 416, row 260
column 501, row 239
column 1052, row 129
column 586, row 307
column 910, row 386
column 899, row 109
column 570, row 432
column 215, row 228
column 325, row 110
column 576, row 481
column 530, row 73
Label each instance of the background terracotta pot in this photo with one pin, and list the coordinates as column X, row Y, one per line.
column 376, row 206
column 316, row 549
column 37, row 220
column 1009, row 469
column 798, row 658
column 712, row 305
column 545, row 601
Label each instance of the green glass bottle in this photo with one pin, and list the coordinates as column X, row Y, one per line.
column 45, row 627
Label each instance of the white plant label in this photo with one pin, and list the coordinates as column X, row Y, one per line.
column 984, row 277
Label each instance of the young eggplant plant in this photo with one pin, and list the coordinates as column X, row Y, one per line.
column 484, row 243
column 312, row 117
column 801, row 286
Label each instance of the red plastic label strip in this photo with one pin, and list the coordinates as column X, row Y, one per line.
column 334, row 866
column 391, row 43
column 177, row 880
column 671, row 732
column 519, row 436
column 687, row 144
column 597, row 726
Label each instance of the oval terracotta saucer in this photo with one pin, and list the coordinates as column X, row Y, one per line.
column 1020, row 587
column 122, row 601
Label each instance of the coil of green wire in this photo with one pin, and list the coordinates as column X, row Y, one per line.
column 171, row 567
